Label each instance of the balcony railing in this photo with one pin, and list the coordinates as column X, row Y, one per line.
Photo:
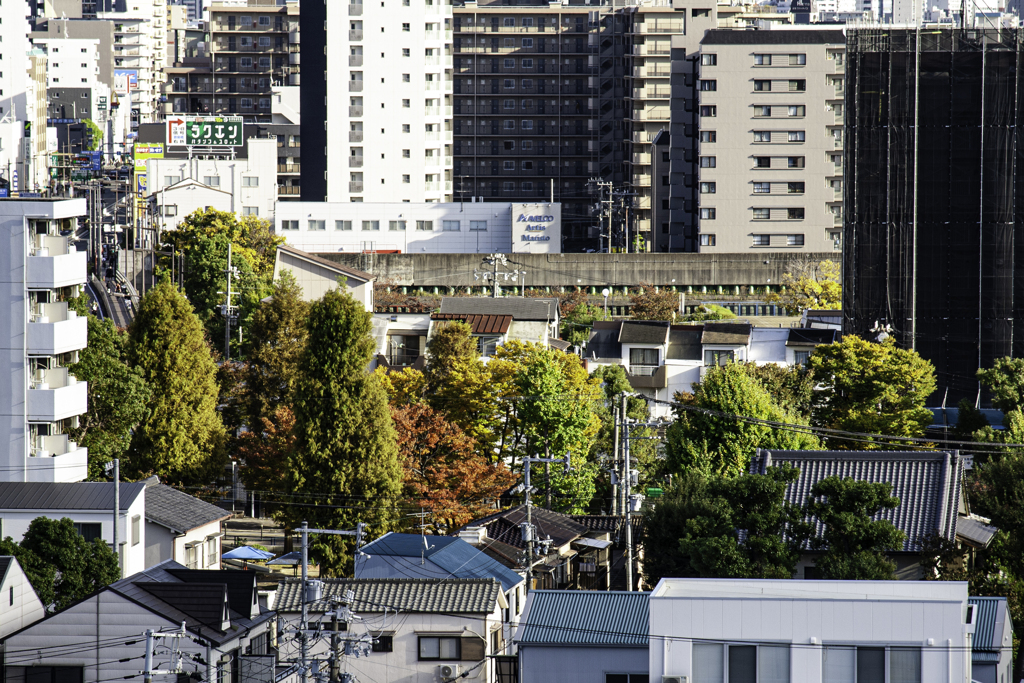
column 355, row 162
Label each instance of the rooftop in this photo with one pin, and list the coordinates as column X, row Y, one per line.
column 83, row 495
column 179, row 511
column 597, row 618
column 774, row 37
column 519, row 308
column 360, row 275
column 444, row 596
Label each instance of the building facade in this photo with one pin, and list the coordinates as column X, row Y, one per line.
column 40, row 401
column 769, row 161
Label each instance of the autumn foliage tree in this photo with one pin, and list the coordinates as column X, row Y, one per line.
column 441, row 471
column 816, row 287
column 265, row 452
column 650, row 303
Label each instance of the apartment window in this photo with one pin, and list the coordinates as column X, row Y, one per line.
column 510, row 63
column 510, row 104
column 250, row 211
column 508, row 187
column 762, row 214
column 744, row 663
column 508, row 166
column 171, row 180
column 709, row 86
column 371, row 226
column 854, row 664
column 396, row 226
column 450, row 226
column 798, row 85
column 708, row 60
column 439, row 648
column 136, row 529
column 707, row 240
column 509, row 83
column 406, row 128
column 712, row 357
column 406, row 154
column 797, row 136
column 425, row 225
column 405, row 104
column 707, row 214
column 526, row 124
column 762, row 188
column 316, row 225
column 797, row 110
column 708, row 136
column 708, row 111
column 707, row 162
column 762, row 86
column 383, row 643
column 211, row 180
column 405, row 28
column 527, row 42
column 264, row 42
column 509, row 124
column 762, row 136
column 762, row 162
column 478, row 225
column 289, row 225
column 487, row 345
column 794, row 240
column 342, row 225
column 508, row 21
column 795, row 188
column 527, row 21
column 837, row 160
column 170, row 210
column 406, row 78
column 762, row 60
column 795, row 215
column 708, row 188
column 528, row 63
column 250, row 181
column 405, row 52
column 246, row 62
column 797, row 60
column 801, row 357
column 90, row 531
column 527, row 82
column 795, row 162
column 762, row 240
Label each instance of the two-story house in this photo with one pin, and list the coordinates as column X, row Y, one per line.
column 498, row 320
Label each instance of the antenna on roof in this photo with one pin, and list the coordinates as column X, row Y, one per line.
column 423, row 534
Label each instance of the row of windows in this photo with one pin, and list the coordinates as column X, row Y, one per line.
column 248, row 62
column 720, row 663
column 759, row 162
column 761, row 60
column 759, row 188
column 393, row 226
column 792, row 214
column 792, row 110
column 760, row 136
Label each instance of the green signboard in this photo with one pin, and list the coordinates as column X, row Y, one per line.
column 205, row 131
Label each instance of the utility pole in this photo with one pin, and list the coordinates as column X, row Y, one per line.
column 176, row 658
column 117, row 515
column 627, row 489
column 229, row 273
column 615, row 441
column 529, row 534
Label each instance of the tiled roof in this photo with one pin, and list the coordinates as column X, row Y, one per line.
column 927, row 484
column 480, row 324
column 644, row 332
column 598, row 618
column 975, row 531
column 518, row 307
column 179, row 511
column 726, row 333
column 441, row 596
column 83, row 495
column 453, row 556
column 504, row 526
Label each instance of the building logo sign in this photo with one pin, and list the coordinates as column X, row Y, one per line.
column 537, row 228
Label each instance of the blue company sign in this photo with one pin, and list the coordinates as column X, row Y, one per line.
column 535, row 224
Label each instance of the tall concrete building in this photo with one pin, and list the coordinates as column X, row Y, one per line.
column 40, row 269
column 377, row 127
column 769, row 168
column 140, row 43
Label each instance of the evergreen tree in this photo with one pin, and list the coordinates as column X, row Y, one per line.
column 118, row 397
column 182, row 437
column 460, row 385
column 346, row 456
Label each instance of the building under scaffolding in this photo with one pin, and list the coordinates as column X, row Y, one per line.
column 934, row 227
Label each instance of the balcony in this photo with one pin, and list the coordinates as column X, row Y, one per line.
column 355, row 186
column 355, row 10
column 289, row 168
column 355, row 111
column 56, row 395
column 648, row 376
column 355, row 162
column 53, row 263
column 355, row 60
column 355, row 136
column 57, row 459
column 355, row 35
column 355, row 86
column 53, row 329
column 288, row 190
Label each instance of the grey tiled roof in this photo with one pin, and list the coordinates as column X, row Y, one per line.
column 726, row 333
column 644, row 332
column 82, row 495
column 975, row 531
column 179, row 511
column 441, row 596
column 927, row 484
column 598, row 618
column 504, row 526
column 518, row 307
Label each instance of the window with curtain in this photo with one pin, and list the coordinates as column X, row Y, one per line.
column 708, row 663
column 846, row 664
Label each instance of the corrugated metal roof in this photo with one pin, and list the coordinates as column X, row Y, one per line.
column 480, row 324
column 599, row 618
column 985, row 637
column 453, row 556
column 726, row 333
column 82, row 495
column 927, row 484
column 973, row 530
column 443, row 596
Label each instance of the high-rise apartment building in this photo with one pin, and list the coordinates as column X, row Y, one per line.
column 40, row 270
column 769, row 171
column 378, row 126
column 140, row 43
column 934, row 229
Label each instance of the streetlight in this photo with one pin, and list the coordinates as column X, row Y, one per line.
column 605, row 293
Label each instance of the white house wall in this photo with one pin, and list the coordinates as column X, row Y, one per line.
column 187, row 199
column 19, row 604
column 316, row 280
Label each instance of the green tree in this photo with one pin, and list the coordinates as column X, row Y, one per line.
column 346, row 455
column 1005, row 379
column 663, row 525
column 81, row 568
column 41, row 575
column 969, row 420
column 650, row 303
column 182, row 437
column 855, row 544
column 643, row 450
column 873, row 388
column 720, row 441
column 709, row 312
column 817, row 287
column 118, row 397
column 578, row 316
column 792, row 387
column 95, row 135
column 277, row 338
column 252, row 237
column 459, row 384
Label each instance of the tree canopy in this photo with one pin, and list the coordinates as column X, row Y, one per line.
column 650, row 303
column 1005, row 379
column 817, row 287
column 181, row 438
column 577, row 316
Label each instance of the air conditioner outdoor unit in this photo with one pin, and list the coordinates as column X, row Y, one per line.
column 450, row 671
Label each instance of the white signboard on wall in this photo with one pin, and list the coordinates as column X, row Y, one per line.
column 537, row 228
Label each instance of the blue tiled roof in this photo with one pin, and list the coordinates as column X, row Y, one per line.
column 600, row 618
column 452, row 556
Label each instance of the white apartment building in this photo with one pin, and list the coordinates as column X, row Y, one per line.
column 771, row 140
column 422, row 227
column 389, row 108
column 18, row 94
column 140, row 43
column 40, row 269
column 74, row 63
column 243, row 186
